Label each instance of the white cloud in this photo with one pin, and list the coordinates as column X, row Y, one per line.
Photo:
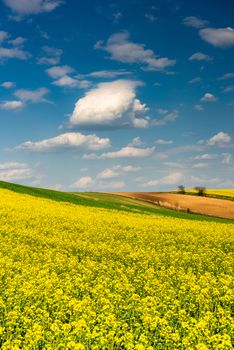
column 199, row 107
column 14, row 171
column 59, row 71
column 108, row 174
column 169, row 117
column 229, row 89
column 163, row 142
column 136, row 141
column 150, row 17
column 113, row 104
column 11, row 105
column 67, row 141
column 116, row 171
column 66, row 81
column 219, row 139
column 218, row 37
column 162, row 111
column 227, row 76
column 195, row 80
column 26, row 7
column 13, row 52
column 83, row 183
column 53, row 56
column 3, row 36
column 199, row 56
column 125, row 152
column 200, row 165
column 126, row 51
column 208, row 97
column 34, row 96
column 226, row 158
column 171, row 179
column 194, row 22
column 8, row 84
column 206, row 156
column 19, row 41
column 48, row 60
column 110, row 74
column 117, row 16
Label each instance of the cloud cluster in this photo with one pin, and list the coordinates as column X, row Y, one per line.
column 123, row 50
column 62, row 79
column 52, row 56
column 12, row 48
column 66, row 141
column 110, row 105
column 14, row 171
column 29, row 7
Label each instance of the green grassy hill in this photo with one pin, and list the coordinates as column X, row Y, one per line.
column 104, row 200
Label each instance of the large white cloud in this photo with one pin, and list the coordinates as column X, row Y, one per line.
column 70, row 140
column 110, row 105
column 218, row 37
column 126, row 51
column 26, row 7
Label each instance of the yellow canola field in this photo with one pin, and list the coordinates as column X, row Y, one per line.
column 74, row 277
column 217, row 192
column 224, row 192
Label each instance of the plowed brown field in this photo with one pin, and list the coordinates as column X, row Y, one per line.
column 201, row 205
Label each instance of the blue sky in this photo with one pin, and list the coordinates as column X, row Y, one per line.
column 126, row 95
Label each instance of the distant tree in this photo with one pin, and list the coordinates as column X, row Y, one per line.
column 181, row 189
column 201, row 190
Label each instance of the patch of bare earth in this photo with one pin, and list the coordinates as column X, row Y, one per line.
column 200, row 205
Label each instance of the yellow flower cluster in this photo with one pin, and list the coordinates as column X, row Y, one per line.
column 74, row 277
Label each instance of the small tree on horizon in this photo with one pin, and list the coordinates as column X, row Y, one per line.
column 181, row 189
column 201, row 190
